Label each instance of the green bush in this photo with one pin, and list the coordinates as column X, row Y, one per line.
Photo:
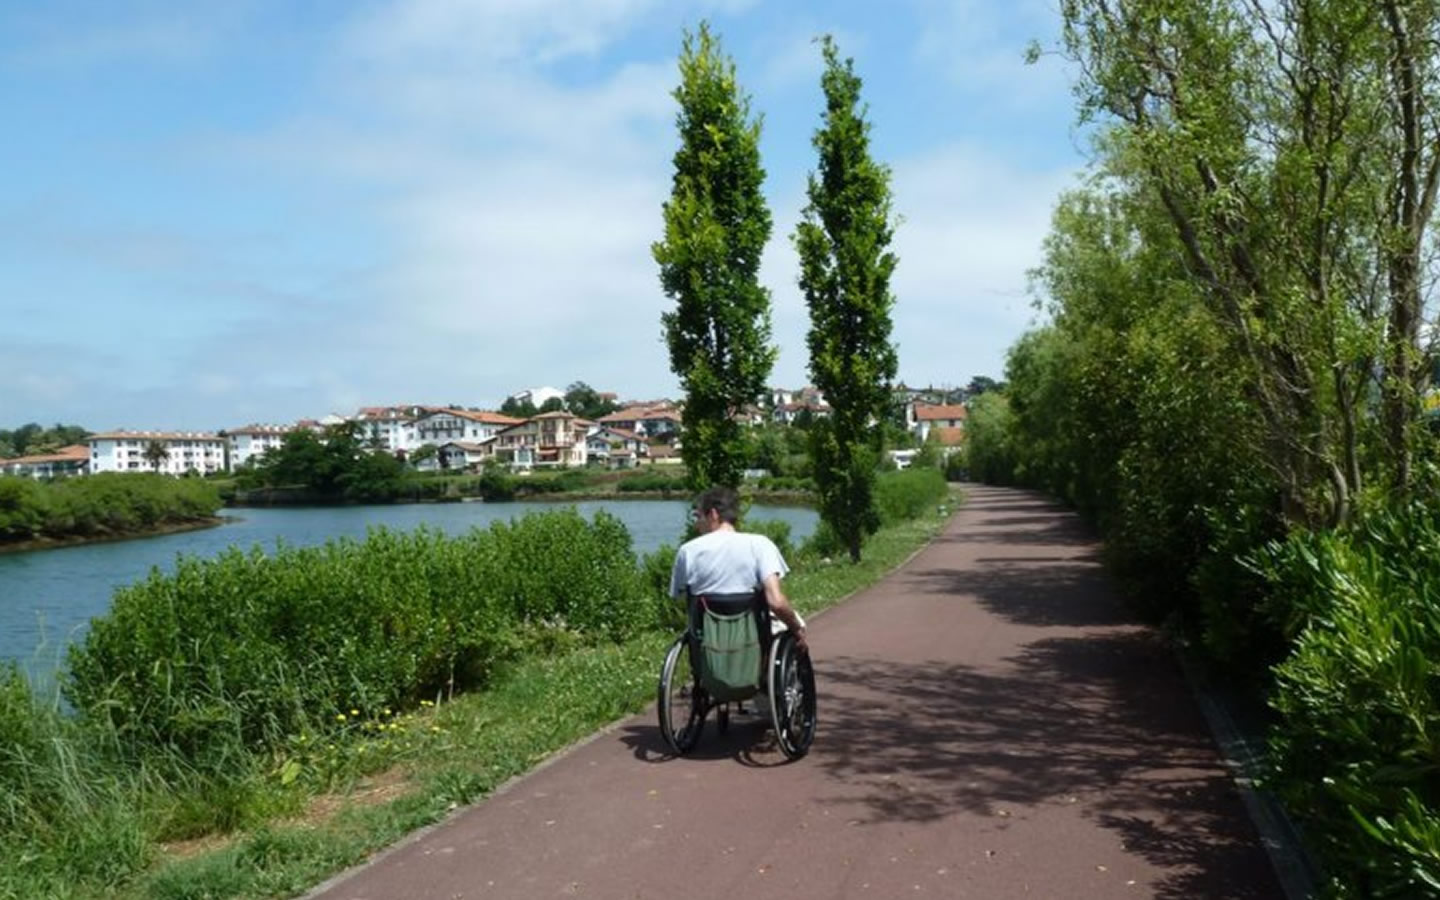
column 652, row 482
column 1356, row 750
column 246, row 649
column 901, row 496
column 108, row 503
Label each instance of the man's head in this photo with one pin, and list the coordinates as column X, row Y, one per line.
column 717, row 505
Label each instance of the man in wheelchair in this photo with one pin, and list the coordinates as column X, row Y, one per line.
column 725, row 562
column 730, row 652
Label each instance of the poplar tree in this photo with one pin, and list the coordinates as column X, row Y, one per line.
column 716, row 226
column 845, row 266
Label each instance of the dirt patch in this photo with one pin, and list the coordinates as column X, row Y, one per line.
column 371, row 791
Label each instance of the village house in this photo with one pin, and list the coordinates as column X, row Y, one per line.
column 645, row 421
column 946, row 423
column 549, row 439
column 71, row 460
column 614, row 448
column 438, row 426
column 457, row 456
column 788, row 413
column 202, row 452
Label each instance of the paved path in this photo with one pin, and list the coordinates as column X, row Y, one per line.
column 992, row 725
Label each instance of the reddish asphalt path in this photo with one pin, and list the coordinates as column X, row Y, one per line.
column 992, row 725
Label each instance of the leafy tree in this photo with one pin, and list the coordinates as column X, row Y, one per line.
column 845, row 269
column 981, row 384
column 425, row 452
column 554, row 404
column 989, row 454
column 31, row 439
column 586, row 402
column 519, row 409
column 156, row 454
column 1294, row 151
column 339, row 464
column 716, row 226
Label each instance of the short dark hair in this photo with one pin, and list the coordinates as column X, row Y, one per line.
column 723, row 500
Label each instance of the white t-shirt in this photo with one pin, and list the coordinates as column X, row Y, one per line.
column 725, row 562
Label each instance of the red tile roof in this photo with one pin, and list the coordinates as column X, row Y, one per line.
column 924, row 412
column 72, row 453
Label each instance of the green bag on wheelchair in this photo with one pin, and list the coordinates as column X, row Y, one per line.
column 730, row 646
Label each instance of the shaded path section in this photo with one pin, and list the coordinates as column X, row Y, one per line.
column 992, row 725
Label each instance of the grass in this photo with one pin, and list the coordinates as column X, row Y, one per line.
column 323, row 808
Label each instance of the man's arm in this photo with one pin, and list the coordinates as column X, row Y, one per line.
column 780, row 606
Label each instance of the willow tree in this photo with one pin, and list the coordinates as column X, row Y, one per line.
column 845, row 266
column 716, row 227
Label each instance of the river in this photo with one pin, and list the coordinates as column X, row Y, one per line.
column 48, row 597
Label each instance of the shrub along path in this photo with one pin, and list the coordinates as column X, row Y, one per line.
column 992, row 725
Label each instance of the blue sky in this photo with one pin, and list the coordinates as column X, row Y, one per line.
column 213, row 214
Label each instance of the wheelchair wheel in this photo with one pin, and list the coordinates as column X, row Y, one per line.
column 681, row 703
column 792, row 697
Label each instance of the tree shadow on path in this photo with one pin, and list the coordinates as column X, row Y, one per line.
column 1078, row 721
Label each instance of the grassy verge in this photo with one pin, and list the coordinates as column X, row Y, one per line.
column 399, row 776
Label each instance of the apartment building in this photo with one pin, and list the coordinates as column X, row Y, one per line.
column 253, row 441
column 202, row 452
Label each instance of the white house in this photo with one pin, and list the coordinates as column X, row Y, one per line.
column 71, row 460
column 458, row 455
column 615, row 448
column 185, row 451
column 439, row 426
column 538, row 395
column 254, row 441
column 645, row 421
column 390, row 427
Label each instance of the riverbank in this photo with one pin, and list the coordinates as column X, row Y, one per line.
column 57, row 543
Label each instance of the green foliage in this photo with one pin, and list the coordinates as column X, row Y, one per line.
column 32, row 439
column 990, row 432
column 843, row 242
column 247, row 649
column 338, row 465
column 652, row 481
column 908, row 495
column 518, row 409
column 1355, row 748
column 111, row 503
column 586, row 402
column 716, row 227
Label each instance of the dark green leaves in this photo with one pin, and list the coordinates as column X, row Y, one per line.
column 716, row 227
column 845, row 268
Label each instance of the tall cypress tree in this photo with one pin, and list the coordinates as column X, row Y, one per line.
column 845, row 268
column 716, row 226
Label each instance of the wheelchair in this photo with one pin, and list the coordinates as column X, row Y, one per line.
column 729, row 653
